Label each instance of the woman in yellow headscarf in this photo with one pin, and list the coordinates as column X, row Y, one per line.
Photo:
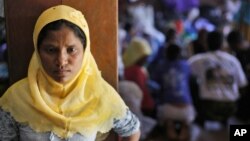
column 64, row 96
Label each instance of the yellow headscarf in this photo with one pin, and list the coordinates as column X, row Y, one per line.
column 137, row 48
column 86, row 105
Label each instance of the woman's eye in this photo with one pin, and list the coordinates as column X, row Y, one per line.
column 51, row 50
column 71, row 50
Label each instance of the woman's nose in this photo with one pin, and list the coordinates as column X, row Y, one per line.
column 62, row 59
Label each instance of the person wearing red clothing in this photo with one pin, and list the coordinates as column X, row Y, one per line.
column 134, row 59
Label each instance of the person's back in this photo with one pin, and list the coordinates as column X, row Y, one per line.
column 241, row 49
column 219, row 73
column 219, row 76
column 172, row 74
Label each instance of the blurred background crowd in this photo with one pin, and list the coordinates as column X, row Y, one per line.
column 189, row 60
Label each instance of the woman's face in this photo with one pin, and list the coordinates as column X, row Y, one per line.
column 61, row 54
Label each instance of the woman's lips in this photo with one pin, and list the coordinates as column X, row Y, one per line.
column 61, row 72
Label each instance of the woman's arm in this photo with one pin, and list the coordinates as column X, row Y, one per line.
column 8, row 127
column 133, row 137
column 128, row 128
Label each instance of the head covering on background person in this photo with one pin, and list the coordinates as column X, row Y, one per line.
column 137, row 49
column 132, row 96
column 81, row 105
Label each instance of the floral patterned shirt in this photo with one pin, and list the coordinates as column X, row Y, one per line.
column 10, row 130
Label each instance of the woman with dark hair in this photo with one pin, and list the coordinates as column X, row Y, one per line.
column 64, row 96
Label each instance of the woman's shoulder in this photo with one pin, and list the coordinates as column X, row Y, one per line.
column 18, row 87
column 20, row 84
column 127, row 125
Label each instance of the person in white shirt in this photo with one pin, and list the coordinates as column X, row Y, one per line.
column 219, row 76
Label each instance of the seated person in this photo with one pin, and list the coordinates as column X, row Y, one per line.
column 64, row 96
column 134, row 58
column 175, row 102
